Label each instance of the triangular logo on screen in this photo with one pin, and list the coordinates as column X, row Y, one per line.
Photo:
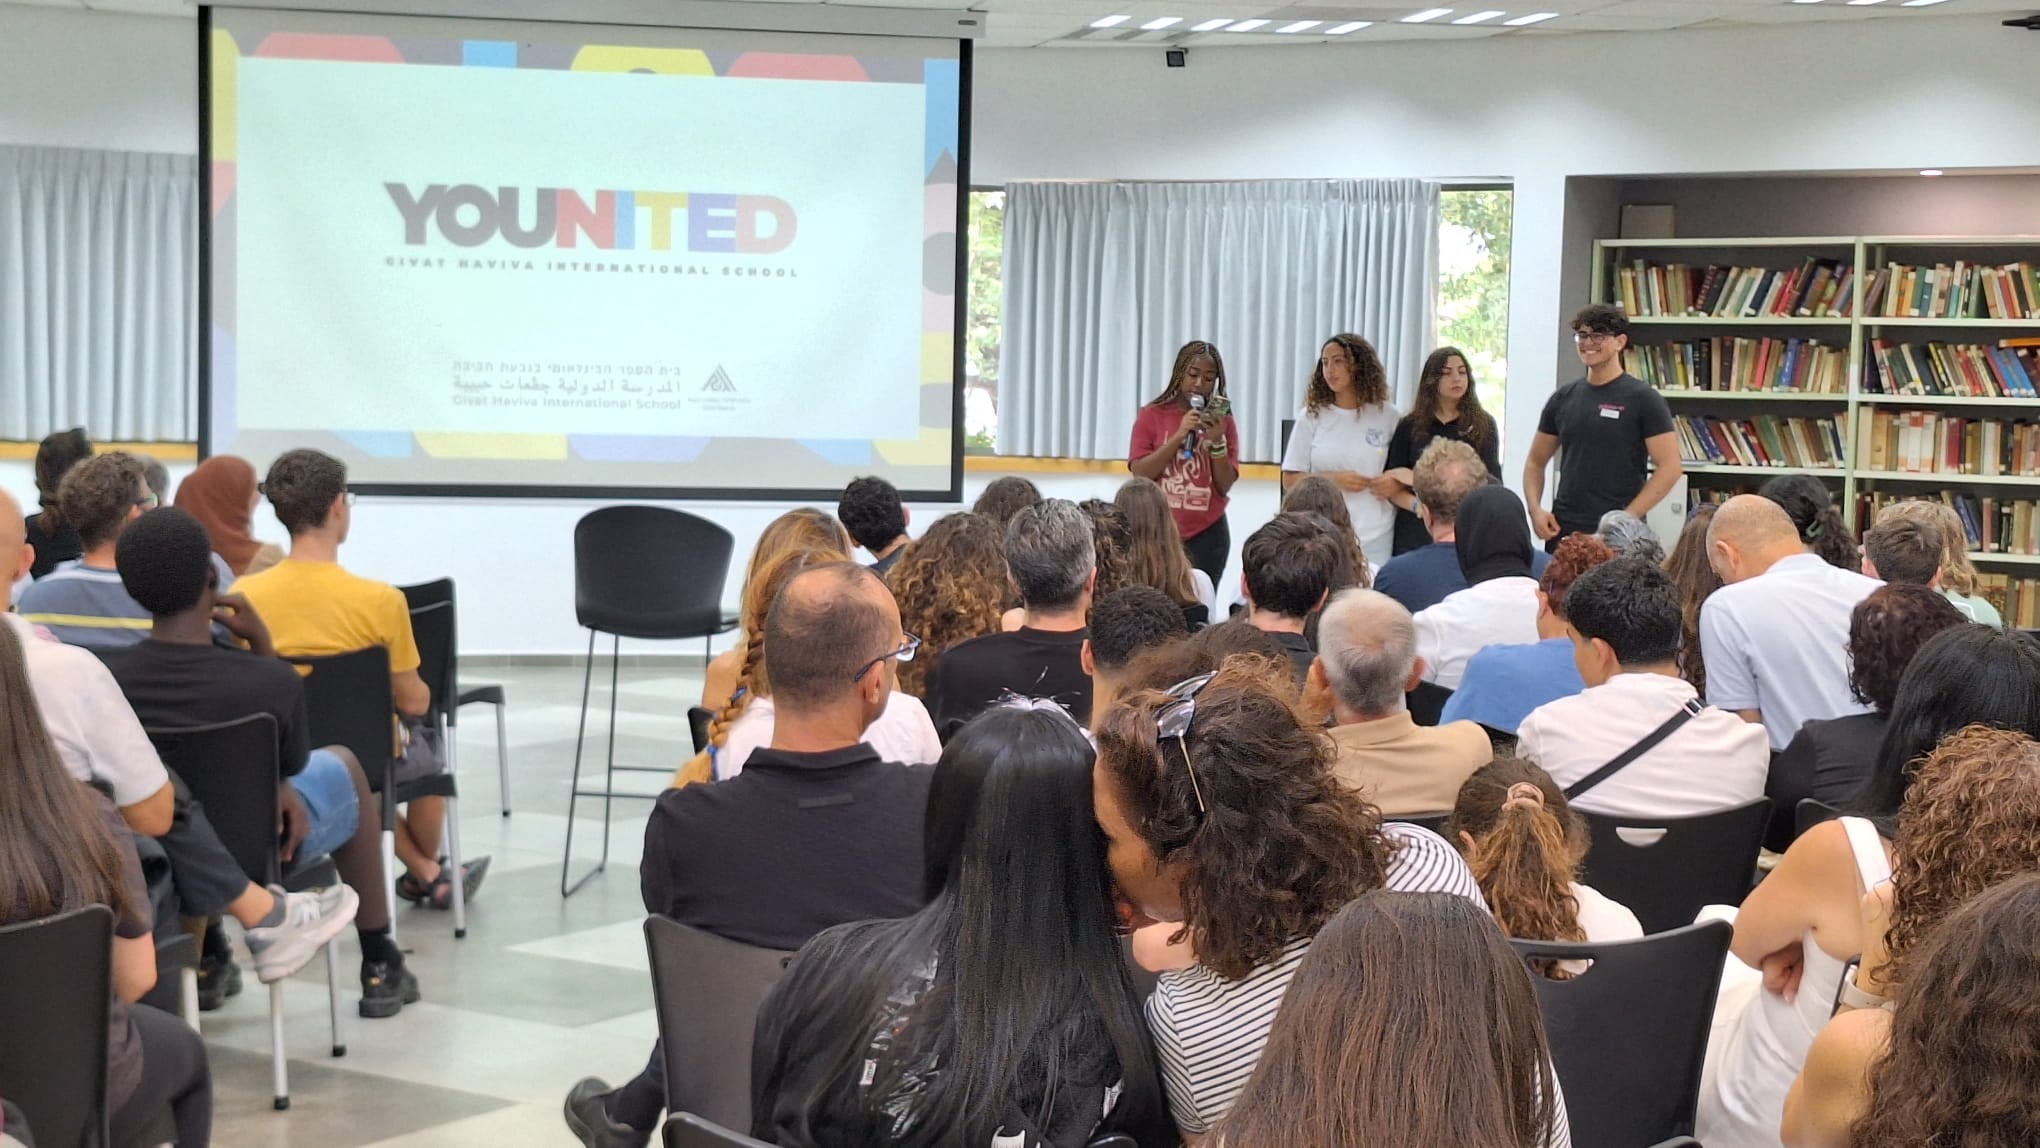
column 720, row 381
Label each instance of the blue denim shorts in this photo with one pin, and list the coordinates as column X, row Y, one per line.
column 328, row 794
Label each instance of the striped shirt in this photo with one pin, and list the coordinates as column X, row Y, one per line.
column 87, row 605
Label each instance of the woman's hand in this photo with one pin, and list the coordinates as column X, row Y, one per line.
column 1783, row 970
column 1385, row 486
column 1350, row 481
column 1192, row 421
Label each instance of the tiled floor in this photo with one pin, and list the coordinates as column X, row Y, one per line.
column 542, row 991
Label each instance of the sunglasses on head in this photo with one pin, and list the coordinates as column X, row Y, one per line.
column 1172, row 721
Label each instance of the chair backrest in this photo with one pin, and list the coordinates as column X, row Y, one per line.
column 1629, row 1035
column 56, row 985
column 231, row 768
column 434, row 628
column 1665, row 877
column 698, row 718
column 347, row 698
column 1809, row 813
column 708, row 990
column 650, row 572
column 1427, row 702
column 686, row 1130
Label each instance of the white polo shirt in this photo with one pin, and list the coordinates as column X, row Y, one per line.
column 1715, row 761
column 1497, row 612
column 96, row 733
column 1779, row 644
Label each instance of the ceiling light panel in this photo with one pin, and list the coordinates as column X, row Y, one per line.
column 1426, row 15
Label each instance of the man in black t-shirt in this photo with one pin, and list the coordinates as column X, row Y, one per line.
column 1615, row 430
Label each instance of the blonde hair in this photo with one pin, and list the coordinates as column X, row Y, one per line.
column 1957, row 572
column 1527, row 848
column 790, row 543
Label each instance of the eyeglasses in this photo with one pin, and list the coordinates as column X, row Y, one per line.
column 149, row 501
column 905, row 653
column 1173, row 721
column 347, row 498
column 1585, row 337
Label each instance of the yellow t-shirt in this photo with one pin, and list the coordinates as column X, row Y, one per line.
column 317, row 608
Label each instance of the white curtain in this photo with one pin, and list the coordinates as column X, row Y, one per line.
column 1104, row 281
column 98, row 294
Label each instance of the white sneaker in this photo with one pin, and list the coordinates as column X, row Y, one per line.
column 310, row 919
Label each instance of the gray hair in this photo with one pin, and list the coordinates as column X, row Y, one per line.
column 1368, row 644
column 1050, row 552
column 1631, row 537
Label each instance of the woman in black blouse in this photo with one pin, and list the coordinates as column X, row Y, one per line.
column 1448, row 407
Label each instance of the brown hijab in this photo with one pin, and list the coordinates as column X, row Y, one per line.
column 219, row 494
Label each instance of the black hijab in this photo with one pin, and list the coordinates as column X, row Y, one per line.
column 1491, row 535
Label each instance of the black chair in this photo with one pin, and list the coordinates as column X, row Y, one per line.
column 1629, row 1035
column 231, row 770
column 639, row 572
column 686, row 1130
column 432, row 629
column 428, row 595
column 348, row 699
column 1427, row 702
column 1435, row 822
column 56, row 989
column 1666, row 868
column 708, row 990
column 1811, row 812
column 176, row 990
column 698, row 718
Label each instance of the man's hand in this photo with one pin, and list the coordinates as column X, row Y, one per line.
column 294, row 821
column 241, row 620
column 1783, row 969
column 1544, row 523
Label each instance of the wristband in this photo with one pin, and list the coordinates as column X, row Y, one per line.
column 1851, row 996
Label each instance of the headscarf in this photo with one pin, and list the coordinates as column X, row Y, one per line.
column 219, row 494
column 1491, row 534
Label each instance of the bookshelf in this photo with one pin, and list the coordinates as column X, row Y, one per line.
column 1903, row 313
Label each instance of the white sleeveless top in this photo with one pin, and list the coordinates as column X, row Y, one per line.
column 1754, row 1064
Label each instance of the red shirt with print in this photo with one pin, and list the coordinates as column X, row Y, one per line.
column 1193, row 499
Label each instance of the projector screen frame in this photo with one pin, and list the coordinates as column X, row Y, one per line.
column 953, row 493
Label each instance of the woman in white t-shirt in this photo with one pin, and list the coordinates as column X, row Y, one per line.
column 1343, row 433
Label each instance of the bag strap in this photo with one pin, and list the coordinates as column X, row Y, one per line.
column 1650, row 742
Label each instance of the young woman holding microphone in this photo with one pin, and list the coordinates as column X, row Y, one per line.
column 1185, row 441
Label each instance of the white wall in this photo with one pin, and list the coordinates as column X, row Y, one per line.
column 1948, row 92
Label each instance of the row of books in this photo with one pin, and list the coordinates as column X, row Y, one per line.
column 1819, row 287
column 1765, row 440
column 2009, row 369
column 1960, row 290
column 1726, row 363
column 2017, row 599
column 1935, row 442
column 1992, row 525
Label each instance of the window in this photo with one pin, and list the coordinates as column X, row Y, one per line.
column 981, row 321
column 1474, row 226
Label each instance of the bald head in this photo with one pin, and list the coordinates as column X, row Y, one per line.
column 1748, row 534
column 14, row 553
column 829, row 623
column 1367, row 644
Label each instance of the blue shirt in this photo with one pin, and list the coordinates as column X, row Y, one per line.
column 88, row 606
column 1423, row 577
column 1504, row 683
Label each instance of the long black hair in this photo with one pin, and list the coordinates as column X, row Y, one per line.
column 1029, row 992
column 1807, row 501
column 1965, row 675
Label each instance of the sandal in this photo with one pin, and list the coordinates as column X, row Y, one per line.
column 439, row 894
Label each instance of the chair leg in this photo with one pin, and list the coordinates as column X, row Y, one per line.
column 279, row 1070
column 458, row 885
column 389, row 865
column 187, row 997
column 574, row 784
column 609, row 774
column 502, row 760
column 333, row 994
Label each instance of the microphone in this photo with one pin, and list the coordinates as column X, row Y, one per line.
column 1190, row 444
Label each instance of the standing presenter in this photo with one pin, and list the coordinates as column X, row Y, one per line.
column 1185, row 441
column 1343, row 434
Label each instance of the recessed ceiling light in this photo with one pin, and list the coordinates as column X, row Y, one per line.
column 1479, row 17
column 1921, row 3
column 1931, row 171
column 1110, row 21
column 1426, row 15
column 1299, row 26
column 1247, row 25
column 1863, row 3
column 1806, row 1
column 1160, row 22
column 1212, row 25
column 1343, row 29
column 1532, row 18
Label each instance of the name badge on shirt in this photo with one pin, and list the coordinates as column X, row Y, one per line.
column 1611, row 411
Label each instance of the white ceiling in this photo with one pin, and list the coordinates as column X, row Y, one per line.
column 1065, row 23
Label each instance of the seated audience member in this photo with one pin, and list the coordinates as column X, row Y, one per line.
column 1316, row 494
column 1953, row 1060
column 871, row 511
column 1503, row 684
column 1446, row 473
column 1904, row 550
column 1955, row 575
column 1052, row 557
column 1367, row 660
column 1499, row 605
column 1155, row 555
column 1125, row 623
column 801, row 529
column 951, row 586
column 1525, row 844
column 1005, row 497
column 1225, row 818
column 101, row 743
column 1288, row 568
column 221, row 493
column 1965, row 675
column 1439, row 1040
column 55, row 538
column 156, row 477
column 1111, row 546
column 1693, row 574
column 179, row 677
column 1003, row 1008
column 1624, row 620
column 1971, row 821
column 65, row 849
column 82, row 602
column 1631, row 537
column 314, row 607
column 817, row 831
column 1830, row 758
column 1807, row 502
column 1776, row 635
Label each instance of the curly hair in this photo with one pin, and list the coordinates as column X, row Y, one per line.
column 1479, row 425
column 1280, row 843
column 1971, row 819
column 1958, row 573
column 1005, row 497
column 1575, row 555
column 1110, row 543
column 1187, row 354
column 870, row 510
column 1885, row 630
column 951, row 586
column 1154, row 549
column 1527, row 848
column 301, row 486
column 1316, row 494
column 1960, row 1066
column 98, row 493
column 165, row 561
column 1695, row 578
column 1370, row 378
